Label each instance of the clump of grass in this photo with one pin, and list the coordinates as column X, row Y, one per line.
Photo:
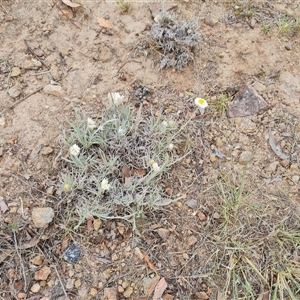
column 285, row 25
column 220, row 105
column 266, row 28
column 123, row 5
column 115, row 166
column 259, row 252
column 174, row 41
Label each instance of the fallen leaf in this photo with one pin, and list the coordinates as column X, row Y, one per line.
column 167, row 297
column 202, row 296
column 125, row 172
column 201, row 216
column 159, row 289
column 149, row 263
column 104, row 23
column 71, row 4
column 18, row 285
column 276, row 149
column 43, row 273
column 3, row 206
column 32, row 243
column 139, row 172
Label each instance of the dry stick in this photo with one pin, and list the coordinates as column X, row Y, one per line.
column 20, row 257
column 61, row 282
column 18, row 102
column 34, row 54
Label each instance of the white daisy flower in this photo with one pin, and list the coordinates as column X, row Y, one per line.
column 116, row 98
column 74, row 150
column 201, row 103
column 105, row 185
column 91, row 124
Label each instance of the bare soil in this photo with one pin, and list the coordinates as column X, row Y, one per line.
column 49, row 42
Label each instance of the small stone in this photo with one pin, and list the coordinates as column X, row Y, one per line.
column 72, row 254
column 294, row 167
column 247, row 102
column 163, row 233
column 120, row 289
column 51, row 283
column 93, row 292
column 245, row 125
column 285, row 163
column 77, row 283
column 138, row 253
column 15, row 72
column 43, row 273
column 245, row 157
column 259, row 87
column 21, row 295
column 36, row 63
column 272, row 167
column 105, row 55
column 14, row 91
column 216, row 216
column 1, row 151
column 107, row 273
column 202, row 217
column 110, row 294
column 46, row 151
column 128, row 292
column 125, row 284
column 55, row 90
column 219, row 142
column 191, row 240
column 50, row 190
column 54, row 71
column 213, row 158
column 35, row 288
column 185, row 256
column 202, row 296
column 70, row 283
column 192, row 203
column 295, row 179
column 3, row 122
column 97, row 224
column 37, row 260
column 210, row 22
column 42, row 216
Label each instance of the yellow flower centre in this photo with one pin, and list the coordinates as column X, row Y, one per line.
column 201, row 101
column 66, row 187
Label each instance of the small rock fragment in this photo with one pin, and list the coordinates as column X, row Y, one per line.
column 105, row 55
column 3, row 122
column 202, row 296
column 54, row 71
column 245, row 125
column 247, row 102
column 193, row 203
column 50, row 190
column 46, row 151
column 55, row 90
column 72, row 254
column 128, row 292
column 42, row 216
column 43, row 273
column 210, row 22
column 37, row 260
column 201, row 216
column 97, row 224
column 110, row 294
column 70, row 283
column 213, row 158
column 245, row 157
column 271, row 168
column 35, row 288
column 163, row 233
column 216, row 216
column 259, row 87
column 191, row 240
column 138, row 253
column 93, row 292
column 14, row 91
column 295, row 179
column 15, row 72
column 77, row 283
